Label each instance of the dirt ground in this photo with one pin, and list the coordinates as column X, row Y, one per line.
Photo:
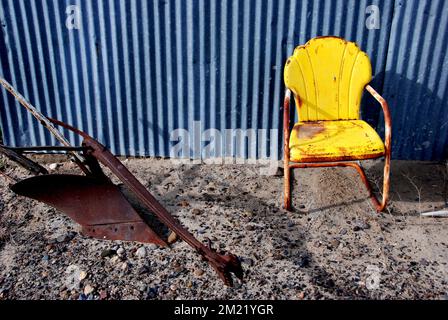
column 333, row 246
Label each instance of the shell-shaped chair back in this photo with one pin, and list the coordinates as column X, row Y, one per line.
column 327, row 76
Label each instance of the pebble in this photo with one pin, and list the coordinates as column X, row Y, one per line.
column 152, row 246
column 198, row 272
column 334, row 243
column 114, row 259
column 250, row 227
column 177, row 266
column 64, row 238
column 303, row 261
column 152, row 293
column 360, row 225
column 108, row 253
column 424, row 262
column 53, row 166
column 82, row 275
column 103, row 294
column 172, row 237
column 120, row 251
column 64, row 295
column 184, row 204
column 141, row 252
column 248, row 213
column 124, row 266
column 196, row 212
column 144, row 269
column 88, row 289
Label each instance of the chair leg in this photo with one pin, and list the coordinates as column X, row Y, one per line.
column 379, row 206
column 287, row 187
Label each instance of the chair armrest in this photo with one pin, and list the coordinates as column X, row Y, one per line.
column 286, row 104
column 387, row 117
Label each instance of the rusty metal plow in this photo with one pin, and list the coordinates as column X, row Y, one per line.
column 98, row 205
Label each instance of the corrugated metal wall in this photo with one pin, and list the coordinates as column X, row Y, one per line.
column 416, row 79
column 137, row 70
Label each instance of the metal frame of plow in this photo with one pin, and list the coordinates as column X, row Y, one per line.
column 71, row 194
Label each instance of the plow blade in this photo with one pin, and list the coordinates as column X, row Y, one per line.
column 98, row 206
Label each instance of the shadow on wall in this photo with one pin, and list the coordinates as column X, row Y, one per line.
column 419, row 119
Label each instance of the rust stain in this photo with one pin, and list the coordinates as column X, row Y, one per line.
column 299, row 102
column 308, row 132
column 344, row 151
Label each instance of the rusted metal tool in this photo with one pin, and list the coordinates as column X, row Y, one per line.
column 96, row 203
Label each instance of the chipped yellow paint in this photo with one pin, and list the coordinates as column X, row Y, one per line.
column 334, row 141
column 327, row 76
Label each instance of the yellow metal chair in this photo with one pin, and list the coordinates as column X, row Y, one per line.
column 327, row 77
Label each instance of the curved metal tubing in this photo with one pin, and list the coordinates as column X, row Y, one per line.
column 379, row 205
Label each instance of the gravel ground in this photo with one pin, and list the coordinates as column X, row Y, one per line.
column 333, row 246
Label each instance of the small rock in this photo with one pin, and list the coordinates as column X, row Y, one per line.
column 120, row 251
column 196, row 212
column 248, row 213
column 64, row 295
column 114, row 259
column 247, row 261
column 141, row 252
column 173, row 287
column 303, row 261
column 360, row 225
column 172, row 237
column 334, row 243
column 424, row 262
column 124, row 266
column 343, row 231
column 108, row 253
column 177, row 266
column 65, row 238
column 184, row 204
column 82, row 275
column 152, row 293
column 88, row 289
column 301, row 295
column 103, row 294
column 82, row 296
column 189, row 284
column 151, row 246
column 53, row 166
column 198, row 272
column 143, row 270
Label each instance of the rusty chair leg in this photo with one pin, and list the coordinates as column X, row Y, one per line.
column 287, row 186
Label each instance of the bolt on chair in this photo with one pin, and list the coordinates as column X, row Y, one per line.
column 327, row 77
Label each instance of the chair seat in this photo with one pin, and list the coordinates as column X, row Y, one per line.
column 340, row 140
